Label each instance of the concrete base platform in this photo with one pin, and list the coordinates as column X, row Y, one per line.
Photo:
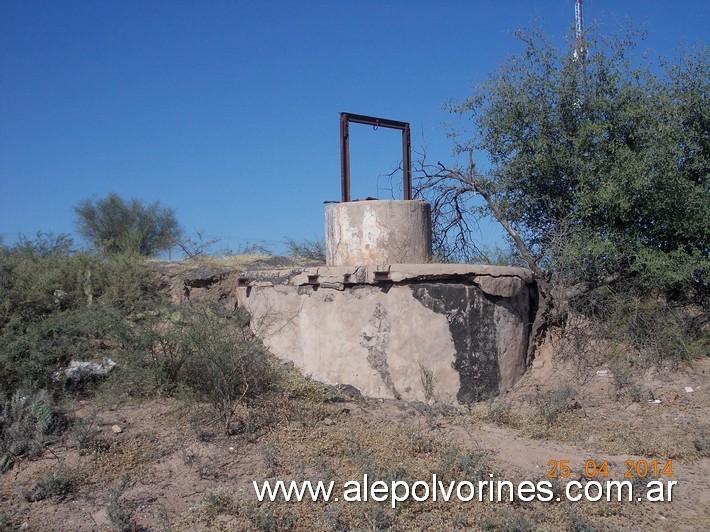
column 453, row 332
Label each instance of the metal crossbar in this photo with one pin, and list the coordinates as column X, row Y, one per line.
column 345, row 119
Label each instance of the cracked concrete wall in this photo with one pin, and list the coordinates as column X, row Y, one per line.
column 378, row 328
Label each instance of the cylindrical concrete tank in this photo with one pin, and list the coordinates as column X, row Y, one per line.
column 378, row 232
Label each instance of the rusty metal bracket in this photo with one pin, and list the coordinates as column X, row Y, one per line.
column 345, row 119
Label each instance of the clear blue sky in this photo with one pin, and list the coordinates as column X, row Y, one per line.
column 228, row 111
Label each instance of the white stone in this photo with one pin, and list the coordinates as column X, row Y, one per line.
column 78, row 369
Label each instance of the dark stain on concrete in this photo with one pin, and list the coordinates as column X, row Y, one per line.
column 375, row 338
column 307, row 289
column 385, row 287
column 470, row 314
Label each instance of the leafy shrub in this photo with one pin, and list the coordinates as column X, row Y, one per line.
column 553, row 403
column 36, row 352
column 313, row 250
column 118, row 513
column 367, row 461
column 26, row 421
column 578, row 521
column 625, row 379
column 639, row 327
column 115, row 225
column 211, row 353
column 57, row 482
column 701, row 441
column 655, row 330
column 45, row 245
column 56, row 305
column 500, row 413
column 428, row 382
column 224, row 362
column 469, row 465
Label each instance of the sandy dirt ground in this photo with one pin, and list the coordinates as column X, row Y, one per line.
column 171, row 468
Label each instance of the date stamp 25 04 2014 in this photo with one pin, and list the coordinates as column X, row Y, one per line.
column 561, row 469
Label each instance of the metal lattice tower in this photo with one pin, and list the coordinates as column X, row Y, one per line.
column 580, row 49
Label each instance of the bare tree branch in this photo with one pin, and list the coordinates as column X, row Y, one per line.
column 449, row 186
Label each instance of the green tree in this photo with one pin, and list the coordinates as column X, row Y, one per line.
column 598, row 173
column 115, row 225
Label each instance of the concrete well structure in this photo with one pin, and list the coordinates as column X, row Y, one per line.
column 378, row 232
column 381, row 318
column 388, row 329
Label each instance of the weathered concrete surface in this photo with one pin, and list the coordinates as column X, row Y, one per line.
column 377, row 232
column 382, row 328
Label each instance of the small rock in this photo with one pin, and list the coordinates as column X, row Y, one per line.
column 79, row 370
column 328, row 421
column 688, row 389
column 603, row 373
column 116, row 429
column 538, row 363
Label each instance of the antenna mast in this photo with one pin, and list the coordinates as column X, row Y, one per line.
column 580, row 49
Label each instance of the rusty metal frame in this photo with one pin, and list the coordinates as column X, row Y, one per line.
column 345, row 119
